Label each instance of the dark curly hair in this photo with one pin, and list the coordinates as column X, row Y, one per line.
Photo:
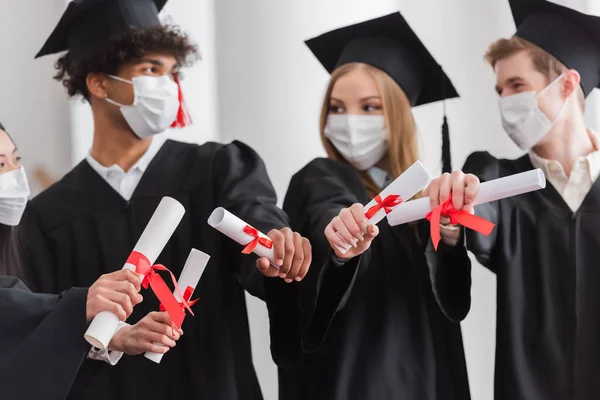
column 131, row 46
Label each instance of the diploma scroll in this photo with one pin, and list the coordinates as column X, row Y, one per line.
column 236, row 229
column 159, row 230
column 188, row 281
column 404, row 187
column 489, row 191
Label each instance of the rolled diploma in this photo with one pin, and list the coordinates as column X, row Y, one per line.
column 411, row 182
column 489, row 191
column 233, row 227
column 190, row 276
column 159, row 230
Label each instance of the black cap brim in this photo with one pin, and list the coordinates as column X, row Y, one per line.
column 87, row 26
column 570, row 36
column 387, row 43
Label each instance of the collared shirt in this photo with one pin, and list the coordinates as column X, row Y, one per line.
column 110, row 357
column 379, row 176
column 123, row 182
column 575, row 187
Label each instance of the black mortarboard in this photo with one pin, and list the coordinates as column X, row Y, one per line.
column 570, row 36
column 87, row 26
column 389, row 44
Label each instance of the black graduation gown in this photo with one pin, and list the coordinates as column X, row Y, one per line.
column 41, row 341
column 389, row 338
column 80, row 228
column 548, row 330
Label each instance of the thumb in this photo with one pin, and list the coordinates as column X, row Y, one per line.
column 372, row 232
column 263, row 264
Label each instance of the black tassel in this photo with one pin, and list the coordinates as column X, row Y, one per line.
column 446, row 160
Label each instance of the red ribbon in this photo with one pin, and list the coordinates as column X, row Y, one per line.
column 387, row 204
column 265, row 242
column 187, row 294
column 464, row 218
column 183, row 118
column 159, row 287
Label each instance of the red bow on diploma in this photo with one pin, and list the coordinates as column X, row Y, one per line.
column 187, row 295
column 159, row 287
column 464, row 218
column 265, row 242
column 387, row 204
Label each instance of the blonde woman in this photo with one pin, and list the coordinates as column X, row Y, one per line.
column 395, row 331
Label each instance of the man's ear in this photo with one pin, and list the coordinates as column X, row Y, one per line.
column 96, row 85
column 570, row 82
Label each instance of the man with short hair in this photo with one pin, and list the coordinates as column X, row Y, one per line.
column 545, row 248
column 126, row 65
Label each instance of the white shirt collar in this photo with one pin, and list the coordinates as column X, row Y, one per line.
column 379, row 176
column 140, row 166
column 552, row 167
column 584, row 172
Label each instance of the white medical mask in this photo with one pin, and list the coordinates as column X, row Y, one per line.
column 154, row 107
column 523, row 119
column 14, row 194
column 361, row 139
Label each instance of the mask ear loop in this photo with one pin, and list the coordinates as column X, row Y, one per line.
column 117, row 78
column 552, row 84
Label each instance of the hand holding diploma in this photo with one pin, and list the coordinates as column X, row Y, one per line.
column 451, row 197
column 293, row 255
column 404, row 187
column 455, row 195
column 281, row 252
column 116, row 292
column 152, row 333
column 350, row 230
column 190, row 276
column 462, row 187
column 157, row 233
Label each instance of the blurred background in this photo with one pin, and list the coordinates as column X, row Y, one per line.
column 257, row 82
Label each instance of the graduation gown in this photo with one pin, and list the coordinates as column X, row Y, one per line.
column 387, row 323
column 80, row 228
column 41, row 341
column 545, row 260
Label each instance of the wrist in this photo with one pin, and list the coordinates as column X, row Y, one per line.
column 117, row 343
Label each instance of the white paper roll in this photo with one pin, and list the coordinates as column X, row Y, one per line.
column 190, row 276
column 159, row 230
column 409, row 183
column 489, row 191
column 233, row 227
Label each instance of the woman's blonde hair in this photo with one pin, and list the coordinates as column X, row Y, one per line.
column 403, row 149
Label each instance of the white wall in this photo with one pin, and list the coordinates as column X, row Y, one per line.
column 31, row 105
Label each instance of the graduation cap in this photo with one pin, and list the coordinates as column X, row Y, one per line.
column 389, row 44
column 87, row 26
column 570, row 36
